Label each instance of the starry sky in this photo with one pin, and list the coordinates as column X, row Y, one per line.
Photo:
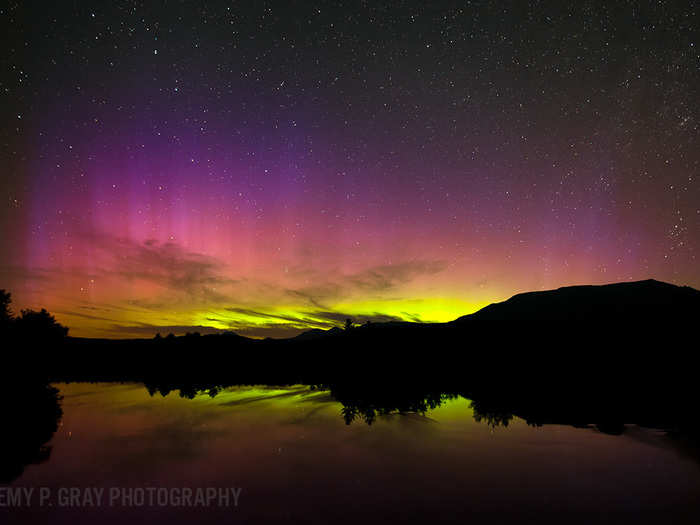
column 269, row 167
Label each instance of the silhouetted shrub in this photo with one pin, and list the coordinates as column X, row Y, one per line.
column 39, row 325
column 5, row 312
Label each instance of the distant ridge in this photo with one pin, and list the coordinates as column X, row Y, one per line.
column 649, row 299
column 559, row 337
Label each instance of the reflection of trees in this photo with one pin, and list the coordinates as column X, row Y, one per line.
column 358, row 403
column 188, row 390
column 491, row 415
column 362, row 402
column 367, row 401
column 30, row 420
column 367, row 404
column 369, row 411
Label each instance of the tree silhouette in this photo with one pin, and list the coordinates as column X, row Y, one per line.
column 29, row 423
column 5, row 312
column 348, row 324
column 39, row 325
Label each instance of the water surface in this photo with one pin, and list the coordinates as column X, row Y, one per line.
column 294, row 457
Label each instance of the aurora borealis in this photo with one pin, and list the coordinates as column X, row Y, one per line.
column 269, row 167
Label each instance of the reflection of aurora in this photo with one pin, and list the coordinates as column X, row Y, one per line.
column 34, row 418
column 354, row 405
column 290, row 443
column 370, row 403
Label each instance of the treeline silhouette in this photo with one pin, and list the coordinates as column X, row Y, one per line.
column 560, row 329
column 606, row 369
column 29, row 326
column 31, row 406
column 611, row 354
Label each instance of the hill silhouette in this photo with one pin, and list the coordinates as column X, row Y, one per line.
column 618, row 335
column 648, row 299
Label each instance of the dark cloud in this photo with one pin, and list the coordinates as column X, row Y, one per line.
column 274, row 330
column 339, row 318
column 191, row 276
column 375, row 280
column 276, row 326
column 313, row 318
column 290, row 326
column 86, row 316
column 186, row 281
column 411, row 317
column 266, row 315
column 172, row 267
column 387, row 277
column 107, row 308
column 12, row 274
column 313, row 295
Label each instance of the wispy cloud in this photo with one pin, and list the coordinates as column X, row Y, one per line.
column 337, row 318
column 152, row 282
column 169, row 266
column 373, row 281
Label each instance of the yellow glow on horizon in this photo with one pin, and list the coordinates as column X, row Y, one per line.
column 437, row 309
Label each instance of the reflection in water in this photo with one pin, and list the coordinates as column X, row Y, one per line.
column 491, row 416
column 424, row 455
column 31, row 415
column 368, row 401
column 363, row 404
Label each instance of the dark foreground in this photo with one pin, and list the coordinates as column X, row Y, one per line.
column 575, row 420
column 331, row 454
column 516, row 422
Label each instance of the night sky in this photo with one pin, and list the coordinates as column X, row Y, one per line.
column 271, row 167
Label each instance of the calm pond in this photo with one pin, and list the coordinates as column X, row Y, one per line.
column 294, row 454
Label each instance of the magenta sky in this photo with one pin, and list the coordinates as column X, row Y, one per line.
column 268, row 171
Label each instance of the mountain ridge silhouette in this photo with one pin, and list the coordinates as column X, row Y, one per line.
column 624, row 300
column 571, row 332
column 647, row 299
